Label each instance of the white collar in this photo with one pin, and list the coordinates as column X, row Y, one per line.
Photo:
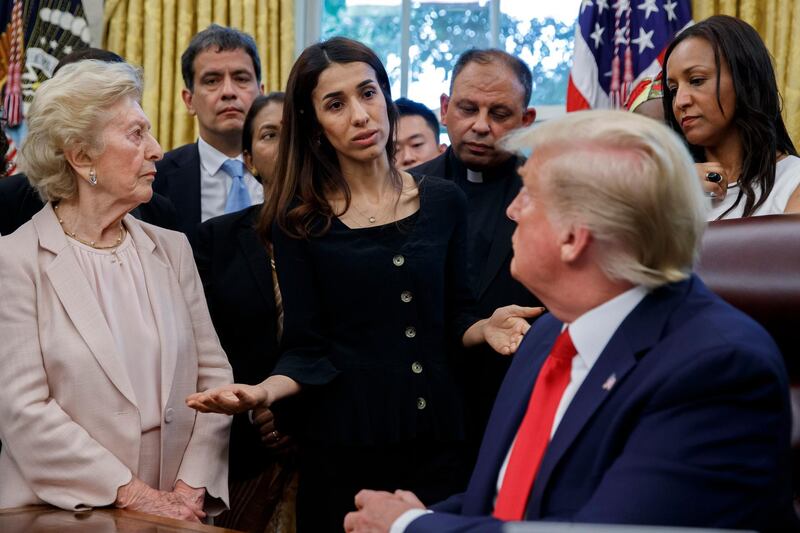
column 474, row 177
column 211, row 158
column 591, row 331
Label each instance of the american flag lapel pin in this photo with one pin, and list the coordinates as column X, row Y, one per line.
column 610, row 382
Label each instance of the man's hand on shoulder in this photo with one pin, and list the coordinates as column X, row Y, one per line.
column 378, row 510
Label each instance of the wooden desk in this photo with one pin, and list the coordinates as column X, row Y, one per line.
column 46, row 519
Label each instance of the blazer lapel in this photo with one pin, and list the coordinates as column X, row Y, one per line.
column 509, row 409
column 79, row 301
column 639, row 332
column 163, row 293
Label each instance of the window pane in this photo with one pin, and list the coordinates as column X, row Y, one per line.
column 540, row 33
column 375, row 23
column 440, row 32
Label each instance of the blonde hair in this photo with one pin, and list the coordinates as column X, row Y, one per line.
column 70, row 111
column 631, row 181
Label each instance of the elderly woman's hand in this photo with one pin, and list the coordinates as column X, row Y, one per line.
column 138, row 496
column 229, row 399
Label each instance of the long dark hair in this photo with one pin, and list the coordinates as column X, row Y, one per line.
column 757, row 116
column 307, row 168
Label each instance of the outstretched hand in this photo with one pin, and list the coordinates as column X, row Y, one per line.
column 504, row 330
column 229, row 399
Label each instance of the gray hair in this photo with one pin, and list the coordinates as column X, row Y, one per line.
column 631, row 181
column 70, row 111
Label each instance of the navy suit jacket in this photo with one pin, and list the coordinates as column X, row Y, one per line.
column 178, row 178
column 694, row 431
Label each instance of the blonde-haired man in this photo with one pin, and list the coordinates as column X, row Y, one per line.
column 642, row 398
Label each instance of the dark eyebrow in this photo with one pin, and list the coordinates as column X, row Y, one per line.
column 339, row 93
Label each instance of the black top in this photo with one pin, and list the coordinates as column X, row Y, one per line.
column 237, row 281
column 370, row 319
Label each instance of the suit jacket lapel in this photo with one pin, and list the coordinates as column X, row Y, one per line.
column 507, row 414
column 79, row 301
column 163, row 293
column 257, row 259
column 640, row 331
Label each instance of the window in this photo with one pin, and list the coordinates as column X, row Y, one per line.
column 419, row 41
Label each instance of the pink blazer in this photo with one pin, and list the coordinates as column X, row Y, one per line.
column 69, row 423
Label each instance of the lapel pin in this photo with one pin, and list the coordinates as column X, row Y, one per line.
column 610, row 382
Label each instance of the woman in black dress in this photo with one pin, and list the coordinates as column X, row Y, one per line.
column 372, row 267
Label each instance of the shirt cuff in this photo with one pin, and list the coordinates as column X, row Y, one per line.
column 405, row 519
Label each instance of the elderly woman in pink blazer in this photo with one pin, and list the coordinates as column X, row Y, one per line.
column 104, row 329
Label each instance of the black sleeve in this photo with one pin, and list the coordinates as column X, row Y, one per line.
column 304, row 349
column 203, row 252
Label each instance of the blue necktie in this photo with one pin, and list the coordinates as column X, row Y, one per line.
column 238, row 195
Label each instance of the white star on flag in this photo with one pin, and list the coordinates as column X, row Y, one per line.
column 644, row 40
column 53, row 44
column 648, row 6
column 601, row 5
column 619, row 36
column 597, row 35
column 669, row 8
column 585, row 4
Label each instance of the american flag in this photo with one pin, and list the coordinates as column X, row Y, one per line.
column 617, row 44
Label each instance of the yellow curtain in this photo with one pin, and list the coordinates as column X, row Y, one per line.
column 154, row 34
column 773, row 21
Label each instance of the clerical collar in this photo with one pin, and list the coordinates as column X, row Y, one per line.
column 474, row 177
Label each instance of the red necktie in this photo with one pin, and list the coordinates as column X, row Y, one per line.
column 533, row 434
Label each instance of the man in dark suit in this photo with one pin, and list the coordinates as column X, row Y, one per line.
column 643, row 398
column 222, row 75
column 19, row 201
column 489, row 95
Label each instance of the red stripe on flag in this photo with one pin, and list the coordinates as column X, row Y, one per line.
column 575, row 100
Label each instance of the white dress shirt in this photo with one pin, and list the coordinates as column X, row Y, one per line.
column 215, row 182
column 590, row 334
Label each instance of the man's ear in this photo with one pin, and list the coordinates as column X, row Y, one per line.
column 186, row 96
column 444, row 100
column 528, row 116
column 574, row 242
column 442, row 147
column 261, row 89
column 80, row 161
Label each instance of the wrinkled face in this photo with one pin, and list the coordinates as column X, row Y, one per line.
column 485, row 104
column 351, row 111
column 692, row 82
column 126, row 167
column 535, row 240
column 266, row 133
column 225, row 85
column 416, row 142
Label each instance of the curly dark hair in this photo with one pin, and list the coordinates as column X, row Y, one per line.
column 757, row 116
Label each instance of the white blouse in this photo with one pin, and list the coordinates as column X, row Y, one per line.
column 787, row 179
column 117, row 280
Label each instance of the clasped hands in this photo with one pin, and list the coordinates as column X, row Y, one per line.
column 183, row 503
column 376, row 511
